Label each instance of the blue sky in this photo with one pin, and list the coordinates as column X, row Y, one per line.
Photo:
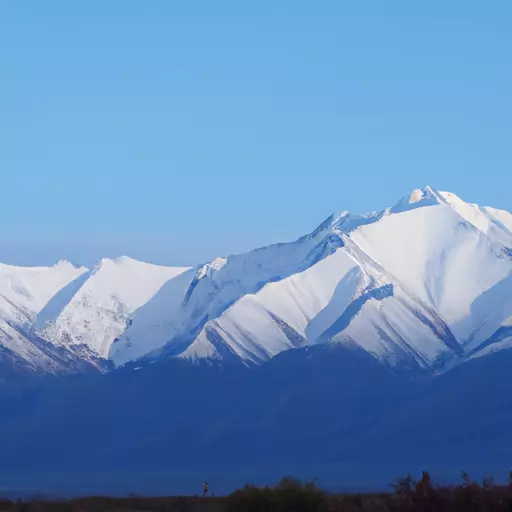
column 178, row 131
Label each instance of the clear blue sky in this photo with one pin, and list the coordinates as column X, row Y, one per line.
column 179, row 131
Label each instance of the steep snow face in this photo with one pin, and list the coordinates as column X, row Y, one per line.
column 424, row 283
column 343, row 298
column 279, row 316
column 24, row 291
column 412, row 283
column 154, row 323
column 441, row 258
column 495, row 223
column 99, row 311
column 215, row 286
column 490, row 318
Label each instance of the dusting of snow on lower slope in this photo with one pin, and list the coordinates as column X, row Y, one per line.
column 502, row 344
column 21, row 348
column 100, row 310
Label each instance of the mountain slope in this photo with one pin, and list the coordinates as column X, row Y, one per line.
column 424, row 284
column 414, row 284
column 100, row 309
column 376, row 345
column 445, row 261
column 24, row 293
column 214, row 288
column 495, row 223
column 342, row 298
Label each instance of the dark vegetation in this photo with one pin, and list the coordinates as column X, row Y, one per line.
column 291, row 495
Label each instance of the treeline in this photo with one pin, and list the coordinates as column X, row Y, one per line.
column 291, row 495
column 408, row 495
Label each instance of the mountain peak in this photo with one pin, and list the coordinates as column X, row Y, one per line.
column 68, row 264
column 119, row 261
column 124, row 260
column 418, row 198
column 420, row 194
column 281, row 296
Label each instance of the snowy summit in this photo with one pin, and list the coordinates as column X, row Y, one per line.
column 425, row 283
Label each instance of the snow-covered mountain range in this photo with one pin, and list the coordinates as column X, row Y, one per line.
column 369, row 348
column 424, row 284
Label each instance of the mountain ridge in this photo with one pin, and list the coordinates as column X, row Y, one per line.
column 426, row 278
column 375, row 345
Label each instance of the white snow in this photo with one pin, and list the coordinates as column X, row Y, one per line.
column 445, row 261
column 99, row 312
column 154, row 323
column 26, row 290
column 496, row 223
column 310, row 303
column 428, row 279
column 505, row 344
column 20, row 346
column 249, row 327
column 449, row 267
column 417, row 199
column 214, row 288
